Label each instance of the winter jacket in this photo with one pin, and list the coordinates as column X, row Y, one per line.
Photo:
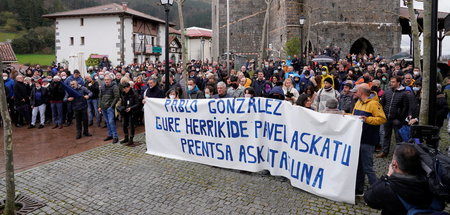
column 259, row 87
column 195, row 94
column 346, row 102
column 384, row 193
column 79, row 103
column 108, row 96
column 396, row 104
column 154, row 92
column 373, row 110
column 56, row 92
column 322, row 97
column 94, row 88
column 71, row 78
column 235, row 93
column 39, row 96
column 129, row 100
column 9, row 84
column 21, row 94
column 325, row 77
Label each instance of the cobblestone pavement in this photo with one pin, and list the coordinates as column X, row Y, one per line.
column 115, row 179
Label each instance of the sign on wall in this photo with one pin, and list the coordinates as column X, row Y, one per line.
column 317, row 152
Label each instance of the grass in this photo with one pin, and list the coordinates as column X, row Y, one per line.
column 4, row 36
column 33, row 59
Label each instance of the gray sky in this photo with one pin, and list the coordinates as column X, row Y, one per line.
column 443, row 6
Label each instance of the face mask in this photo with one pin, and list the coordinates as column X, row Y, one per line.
column 416, row 73
column 172, row 96
column 324, row 73
column 101, row 77
column 190, row 87
column 37, row 88
column 248, row 95
column 384, row 79
column 207, row 96
column 197, row 70
column 4, row 78
column 416, row 89
column 366, row 79
column 63, row 77
column 266, row 66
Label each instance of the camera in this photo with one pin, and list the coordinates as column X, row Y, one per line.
column 427, row 133
column 289, row 95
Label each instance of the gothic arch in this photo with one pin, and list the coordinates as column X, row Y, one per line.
column 362, row 46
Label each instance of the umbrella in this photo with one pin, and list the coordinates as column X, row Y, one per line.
column 323, row 59
column 400, row 56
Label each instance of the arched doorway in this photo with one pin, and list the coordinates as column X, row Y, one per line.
column 362, row 46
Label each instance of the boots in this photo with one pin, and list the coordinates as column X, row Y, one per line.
column 131, row 142
column 125, row 140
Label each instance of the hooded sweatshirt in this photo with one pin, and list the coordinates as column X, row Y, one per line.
column 325, row 77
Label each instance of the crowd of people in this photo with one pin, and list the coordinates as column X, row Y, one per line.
column 385, row 94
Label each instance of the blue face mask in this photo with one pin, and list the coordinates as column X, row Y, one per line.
column 416, row 89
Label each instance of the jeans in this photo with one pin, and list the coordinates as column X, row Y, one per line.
column 57, row 111
column 387, row 127
column 365, row 167
column 81, row 121
column 110, row 122
column 41, row 110
column 68, row 112
column 93, row 110
column 448, row 126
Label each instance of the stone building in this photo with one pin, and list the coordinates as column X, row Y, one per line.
column 360, row 26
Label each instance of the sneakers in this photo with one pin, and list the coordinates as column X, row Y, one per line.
column 115, row 140
column 31, row 126
column 41, row 126
column 108, row 138
column 359, row 194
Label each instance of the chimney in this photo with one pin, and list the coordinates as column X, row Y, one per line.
column 124, row 6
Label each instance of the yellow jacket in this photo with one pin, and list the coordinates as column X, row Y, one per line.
column 372, row 109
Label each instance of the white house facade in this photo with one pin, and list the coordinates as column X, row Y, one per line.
column 198, row 43
column 122, row 34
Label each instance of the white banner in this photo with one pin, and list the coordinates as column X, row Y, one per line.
column 317, row 152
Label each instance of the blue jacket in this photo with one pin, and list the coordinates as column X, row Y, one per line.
column 9, row 83
column 79, row 103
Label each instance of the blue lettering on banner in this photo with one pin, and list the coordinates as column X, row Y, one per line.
column 237, row 106
column 168, row 124
column 181, row 105
column 206, row 149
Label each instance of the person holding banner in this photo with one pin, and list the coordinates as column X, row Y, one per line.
column 371, row 112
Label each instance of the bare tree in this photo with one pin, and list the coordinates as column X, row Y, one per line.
column 184, row 54
column 414, row 32
column 424, row 104
column 7, row 142
column 264, row 30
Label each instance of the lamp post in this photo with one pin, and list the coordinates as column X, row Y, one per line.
column 203, row 49
column 302, row 22
column 433, row 63
column 141, row 38
column 167, row 4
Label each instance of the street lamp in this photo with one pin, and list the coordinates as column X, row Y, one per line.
column 302, row 22
column 203, row 48
column 167, row 4
column 141, row 38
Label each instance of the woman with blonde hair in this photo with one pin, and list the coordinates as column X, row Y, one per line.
column 290, row 93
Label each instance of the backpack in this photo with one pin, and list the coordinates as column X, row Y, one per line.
column 434, row 209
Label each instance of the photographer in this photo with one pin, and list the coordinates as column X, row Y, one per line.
column 290, row 93
column 405, row 181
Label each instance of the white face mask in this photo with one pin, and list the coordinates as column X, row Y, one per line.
column 4, row 78
column 38, row 88
column 190, row 87
column 416, row 73
column 324, row 73
column 64, row 77
column 248, row 95
column 172, row 96
column 207, row 96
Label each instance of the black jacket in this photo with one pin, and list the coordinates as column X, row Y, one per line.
column 383, row 193
column 154, row 92
column 259, row 87
column 44, row 96
column 129, row 100
column 21, row 94
column 396, row 104
column 56, row 92
column 94, row 88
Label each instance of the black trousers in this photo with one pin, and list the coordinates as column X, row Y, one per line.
column 67, row 112
column 81, row 120
column 23, row 115
column 128, row 120
column 388, row 127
